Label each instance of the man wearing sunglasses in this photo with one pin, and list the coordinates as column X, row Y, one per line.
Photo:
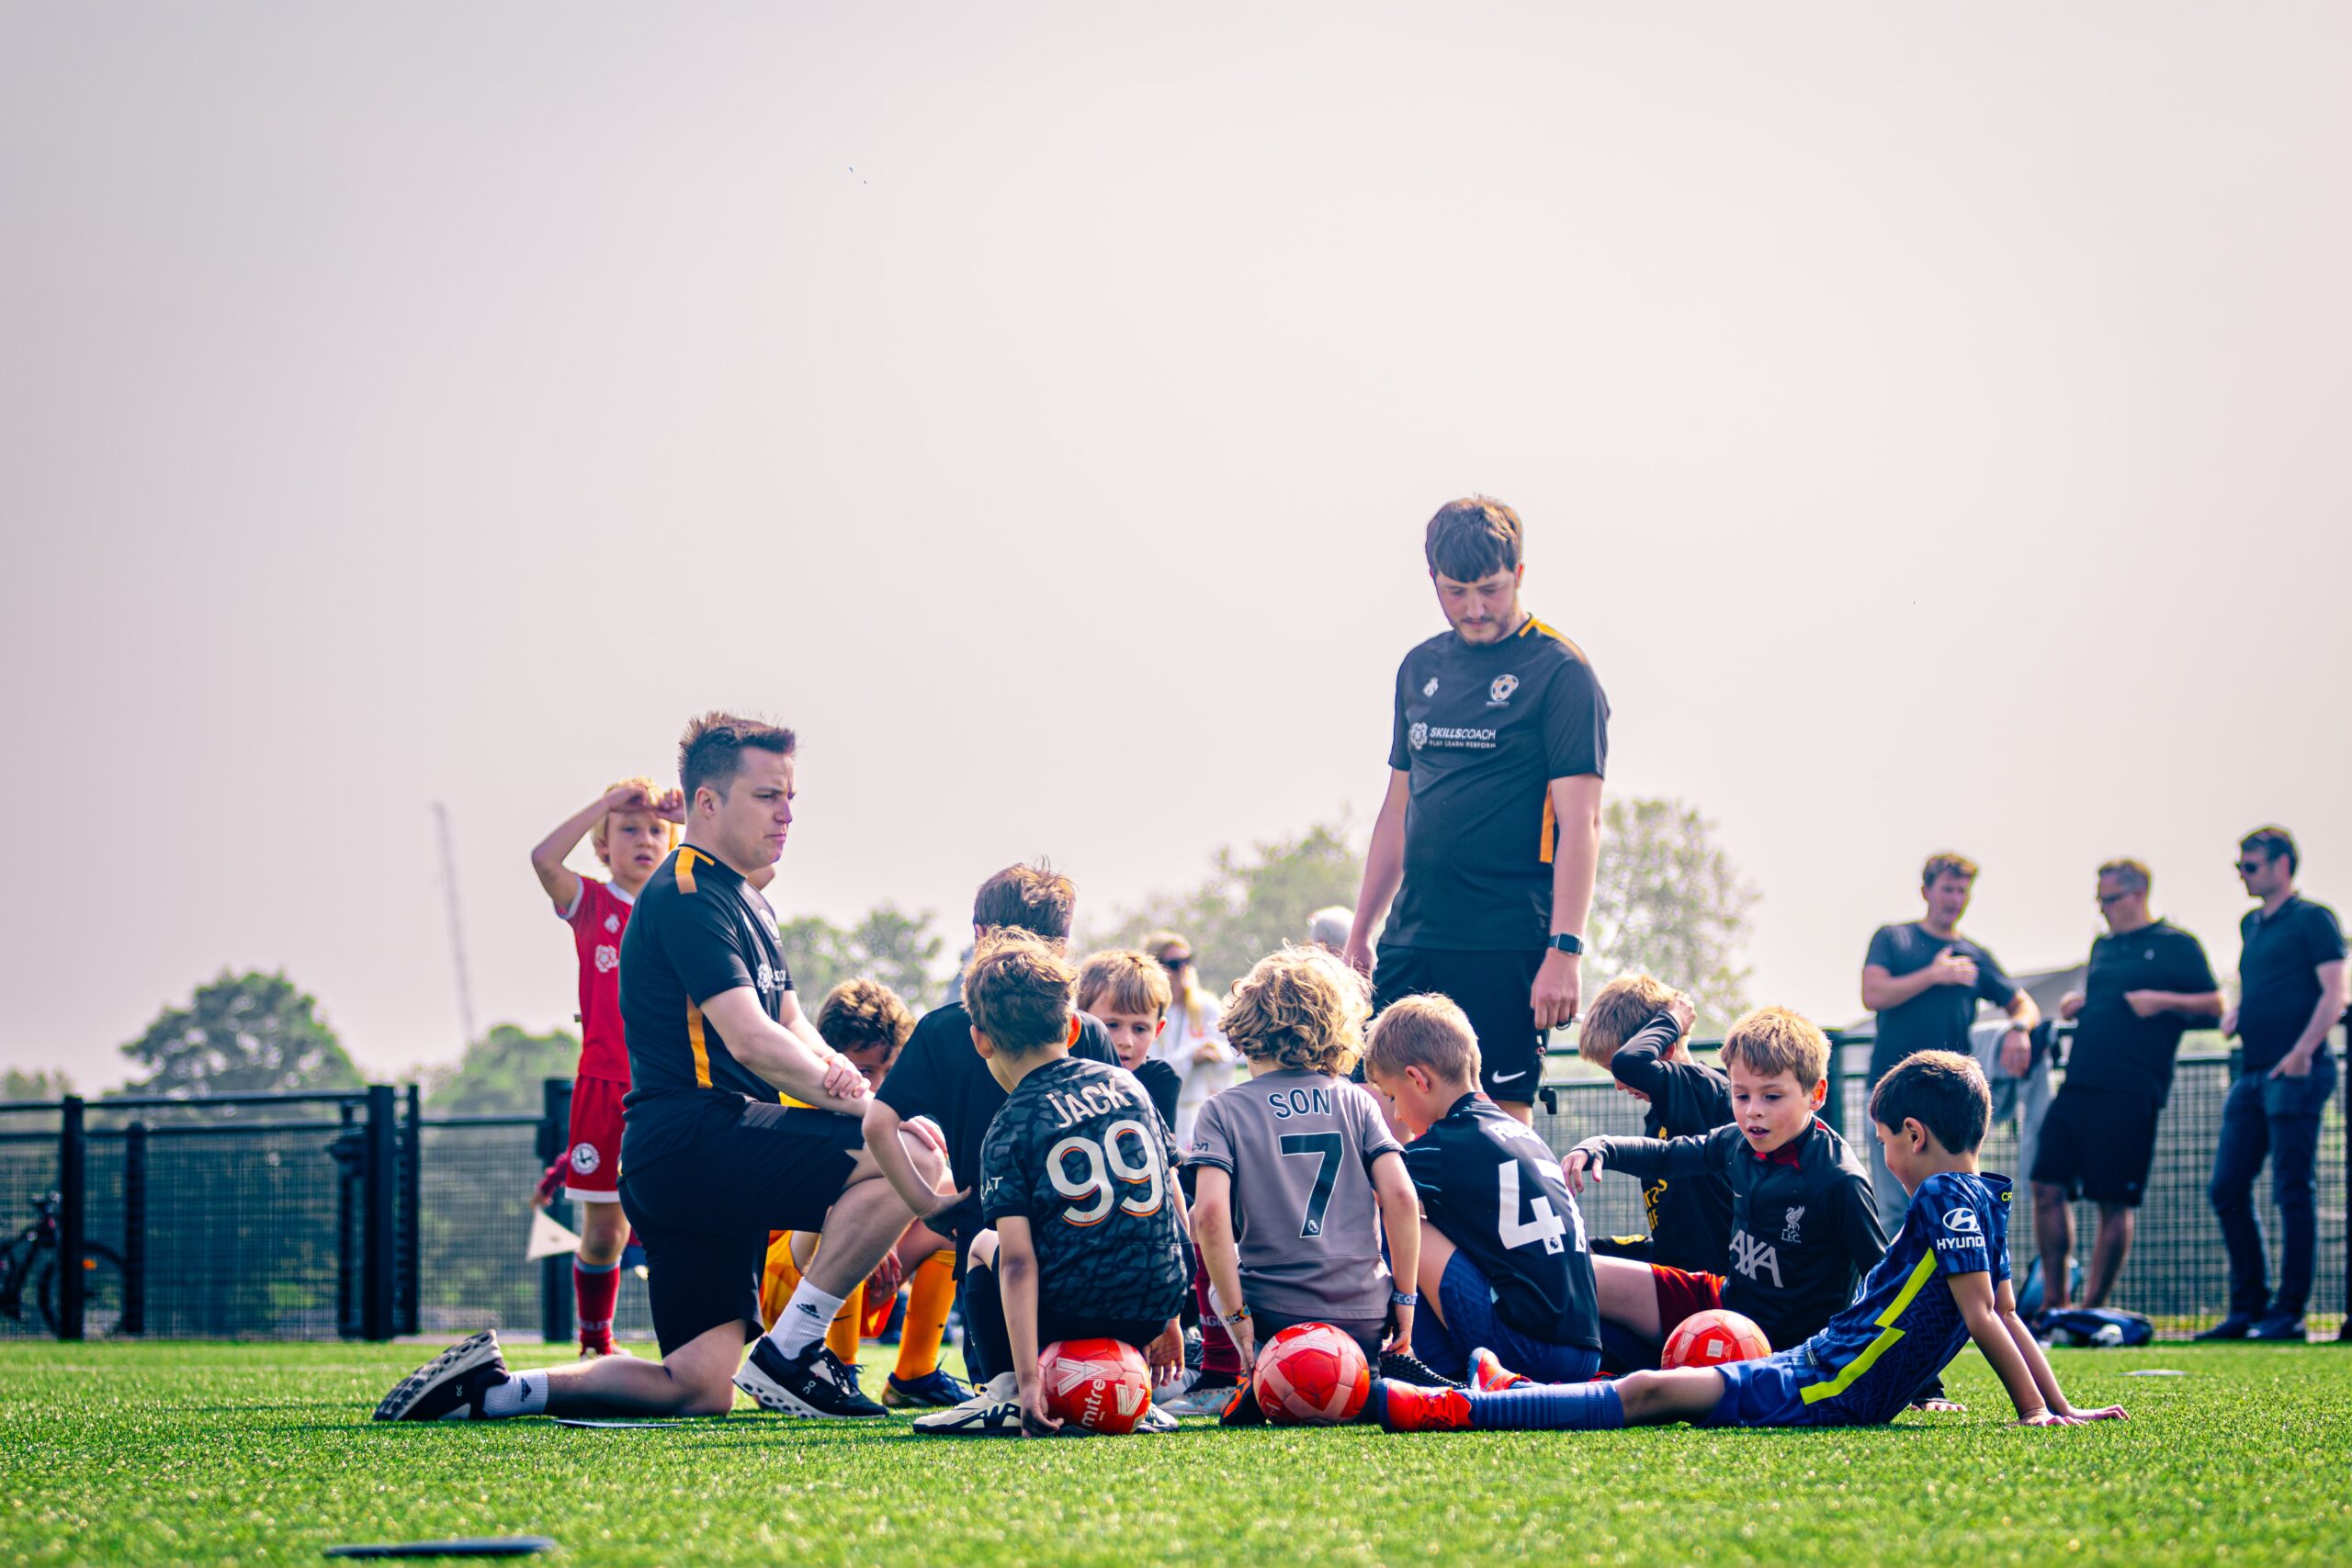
column 2292, row 988
column 2147, row 980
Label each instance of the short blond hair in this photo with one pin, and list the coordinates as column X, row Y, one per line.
column 1946, row 862
column 1428, row 1032
column 600, row 836
column 1018, row 988
column 1623, row 1007
column 1133, row 980
column 1300, row 1008
column 1771, row 1041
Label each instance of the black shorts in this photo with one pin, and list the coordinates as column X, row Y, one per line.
column 2098, row 1144
column 1493, row 989
column 704, row 1211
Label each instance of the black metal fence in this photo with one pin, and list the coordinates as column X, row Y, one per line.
column 354, row 1215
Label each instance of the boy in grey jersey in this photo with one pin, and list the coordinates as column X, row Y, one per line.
column 1296, row 1166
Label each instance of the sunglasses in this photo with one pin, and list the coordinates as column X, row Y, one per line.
column 2251, row 866
column 2107, row 898
column 1174, row 962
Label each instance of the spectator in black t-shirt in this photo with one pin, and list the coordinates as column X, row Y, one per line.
column 2147, row 980
column 1635, row 1029
column 1490, row 828
column 2293, row 985
column 1924, row 980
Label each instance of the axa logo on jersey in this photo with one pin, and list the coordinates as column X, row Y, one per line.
column 1754, row 1258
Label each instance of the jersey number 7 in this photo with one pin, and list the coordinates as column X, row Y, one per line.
column 1327, row 1146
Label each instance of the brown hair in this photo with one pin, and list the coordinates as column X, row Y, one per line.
column 1134, row 982
column 1623, row 1007
column 711, row 750
column 1018, row 987
column 1946, row 862
column 1943, row 1091
column 2133, row 874
column 600, row 836
column 2272, row 841
column 1300, row 1008
column 1770, row 1041
column 859, row 1013
column 1428, row 1032
column 1032, row 897
column 1474, row 538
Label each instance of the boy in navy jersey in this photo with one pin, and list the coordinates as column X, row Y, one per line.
column 1804, row 1228
column 1087, row 1237
column 1944, row 1281
column 1635, row 1029
column 1503, row 1256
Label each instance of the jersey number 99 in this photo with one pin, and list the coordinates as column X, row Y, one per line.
column 1107, row 1167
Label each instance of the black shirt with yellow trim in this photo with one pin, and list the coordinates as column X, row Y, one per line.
column 699, row 930
column 1481, row 731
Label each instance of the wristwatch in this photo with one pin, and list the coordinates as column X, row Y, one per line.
column 1566, row 943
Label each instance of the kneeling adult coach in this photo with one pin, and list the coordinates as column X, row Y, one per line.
column 711, row 1161
column 1492, row 818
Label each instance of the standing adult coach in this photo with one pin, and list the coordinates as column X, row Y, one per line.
column 2291, row 983
column 1492, row 819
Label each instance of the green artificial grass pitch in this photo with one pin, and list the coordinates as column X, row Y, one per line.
column 265, row 1453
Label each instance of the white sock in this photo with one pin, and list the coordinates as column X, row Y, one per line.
column 804, row 1319
column 524, row 1393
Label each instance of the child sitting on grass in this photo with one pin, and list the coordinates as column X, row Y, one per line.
column 1298, row 1175
column 1638, row 1029
column 1944, row 1282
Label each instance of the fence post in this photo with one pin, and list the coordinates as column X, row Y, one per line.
column 555, row 1276
column 411, row 1271
column 134, row 1228
column 73, row 1191
column 347, row 1151
column 379, row 1177
column 2344, row 1329
column 1833, row 1104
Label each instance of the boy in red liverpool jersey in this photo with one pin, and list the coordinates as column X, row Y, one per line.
column 631, row 827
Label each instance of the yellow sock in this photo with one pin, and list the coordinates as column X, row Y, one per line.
column 844, row 1337
column 778, row 1279
column 927, row 1305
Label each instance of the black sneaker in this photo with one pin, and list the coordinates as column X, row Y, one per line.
column 2277, row 1326
column 2237, row 1326
column 449, row 1387
column 1405, row 1369
column 814, row 1382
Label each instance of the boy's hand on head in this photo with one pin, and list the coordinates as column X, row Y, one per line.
column 672, row 806
column 1683, row 1011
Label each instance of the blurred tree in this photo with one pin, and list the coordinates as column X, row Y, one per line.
column 1668, row 900
column 1247, row 909
column 888, row 945
column 250, row 1033
column 501, row 1073
column 35, row 1083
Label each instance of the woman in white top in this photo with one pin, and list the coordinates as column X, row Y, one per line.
column 1191, row 1044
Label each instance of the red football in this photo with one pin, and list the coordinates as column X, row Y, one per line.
column 1103, row 1385
column 1311, row 1375
column 1711, row 1337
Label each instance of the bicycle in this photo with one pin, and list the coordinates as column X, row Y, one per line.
column 36, row 1248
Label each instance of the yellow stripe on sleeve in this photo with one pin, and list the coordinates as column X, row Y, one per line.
column 686, row 871
column 1888, row 1333
column 695, row 1043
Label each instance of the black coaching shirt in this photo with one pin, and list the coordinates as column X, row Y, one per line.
column 699, row 930
column 941, row 1075
column 1078, row 1152
column 2278, row 973
column 1939, row 1017
column 1494, row 1189
column 1481, row 731
column 2114, row 1049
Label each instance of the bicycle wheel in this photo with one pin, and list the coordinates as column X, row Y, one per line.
column 102, row 1294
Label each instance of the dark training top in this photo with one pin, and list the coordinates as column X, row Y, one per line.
column 2115, row 1048
column 1803, row 1229
column 1160, row 1081
column 1483, row 731
column 1690, row 1216
column 1078, row 1152
column 699, row 929
column 1494, row 1189
column 941, row 1075
column 1939, row 1017
column 2277, row 975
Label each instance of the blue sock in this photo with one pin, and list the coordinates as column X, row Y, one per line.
column 1550, row 1407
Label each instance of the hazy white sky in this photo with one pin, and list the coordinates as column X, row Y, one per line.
column 1928, row 418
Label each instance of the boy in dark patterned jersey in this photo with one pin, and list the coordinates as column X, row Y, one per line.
column 1636, row 1030
column 1804, row 1228
column 1503, row 1254
column 1087, row 1237
column 1945, row 1281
